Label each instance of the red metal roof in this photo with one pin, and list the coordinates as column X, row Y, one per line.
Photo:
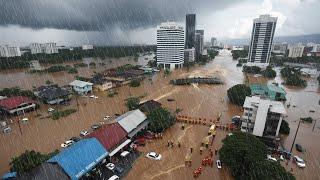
column 110, row 135
column 13, row 102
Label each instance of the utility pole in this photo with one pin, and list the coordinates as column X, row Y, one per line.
column 294, row 139
column 315, row 122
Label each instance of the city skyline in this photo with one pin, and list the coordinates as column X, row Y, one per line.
column 102, row 23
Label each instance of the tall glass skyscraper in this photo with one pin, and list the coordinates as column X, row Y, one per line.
column 261, row 40
column 190, row 31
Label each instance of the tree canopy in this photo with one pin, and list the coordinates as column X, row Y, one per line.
column 160, row 119
column 239, row 54
column 132, row 103
column 251, row 69
column 284, row 127
column 246, row 155
column 237, row 94
column 269, row 72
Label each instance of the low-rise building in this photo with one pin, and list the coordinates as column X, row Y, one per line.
column 295, row 51
column 81, row 87
column 100, row 83
column 9, row 51
column 35, row 65
column 279, row 48
column 17, row 105
column 87, row 47
column 133, row 122
column 237, row 48
column 52, row 94
column 144, row 59
column 47, row 48
column 262, row 117
column 270, row 91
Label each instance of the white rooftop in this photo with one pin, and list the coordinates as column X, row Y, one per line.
column 274, row 106
column 131, row 120
column 80, row 83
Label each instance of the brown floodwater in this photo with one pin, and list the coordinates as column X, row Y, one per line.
column 205, row 101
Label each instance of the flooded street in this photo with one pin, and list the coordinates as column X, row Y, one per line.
column 205, row 101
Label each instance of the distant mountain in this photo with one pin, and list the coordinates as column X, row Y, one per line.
column 315, row 38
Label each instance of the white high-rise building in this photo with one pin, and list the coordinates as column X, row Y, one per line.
column 189, row 55
column 295, row 50
column 261, row 40
column 47, row 48
column 199, row 42
column 214, row 41
column 170, row 45
column 9, row 51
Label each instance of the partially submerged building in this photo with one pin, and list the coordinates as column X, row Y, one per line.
column 133, row 122
column 81, row 87
column 100, row 83
column 270, row 91
column 262, row 117
column 17, row 105
column 52, row 94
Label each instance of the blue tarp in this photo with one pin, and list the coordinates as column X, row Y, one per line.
column 81, row 157
column 9, row 175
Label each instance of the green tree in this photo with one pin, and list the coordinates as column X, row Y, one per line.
column 239, row 54
column 251, row 69
column 269, row 72
column 237, row 94
column 284, row 127
column 160, row 119
column 29, row 160
column 246, row 155
column 135, row 83
column 132, row 103
column 48, row 82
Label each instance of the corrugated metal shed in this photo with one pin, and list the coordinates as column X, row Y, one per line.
column 110, row 135
column 131, row 120
column 81, row 157
column 46, row 171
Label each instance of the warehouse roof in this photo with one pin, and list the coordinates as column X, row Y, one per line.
column 131, row 120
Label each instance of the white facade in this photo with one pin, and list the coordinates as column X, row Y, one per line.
column 81, row 87
column 261, row 39
column 262, row 117
column 87, row 47
column 295, row 51
column 145, row 58
column 9, row 51
column 239, row 48
column 189, row 55
column 170, row 45
column 47, row 48
column 279, row 48
column 214, row 41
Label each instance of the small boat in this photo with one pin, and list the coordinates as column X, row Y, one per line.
column 312, row 111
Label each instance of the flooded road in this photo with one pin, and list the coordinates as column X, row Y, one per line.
column 205, row 101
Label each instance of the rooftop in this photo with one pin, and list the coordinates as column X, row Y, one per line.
column 131, row 120
column 80, row 83
column 52, row 92
column 13, row 102
column 274, row 106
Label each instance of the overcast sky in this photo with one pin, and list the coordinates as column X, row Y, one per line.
column 116, row 22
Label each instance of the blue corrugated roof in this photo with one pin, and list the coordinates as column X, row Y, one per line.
column 81, row 157
column 9, row 175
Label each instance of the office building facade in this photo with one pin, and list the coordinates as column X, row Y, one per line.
column 189, row 55
column 190, row 31
column 199, row 42
column 295, row 51
column 261, row 40
column 9, row 51
column 214, row 41
column 47, row 48
column 170, row 45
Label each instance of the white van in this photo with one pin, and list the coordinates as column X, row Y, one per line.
column 7, row 130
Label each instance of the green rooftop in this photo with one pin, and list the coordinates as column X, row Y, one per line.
column 270, row 91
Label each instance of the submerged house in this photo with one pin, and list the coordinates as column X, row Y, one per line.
column 100, row 83
column 17, row 105
column 270, row 91
column 81, row 87
column 52, row 94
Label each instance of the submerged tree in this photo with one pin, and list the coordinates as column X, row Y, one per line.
column 237, row 94
column 132, row 103
column 160, row 119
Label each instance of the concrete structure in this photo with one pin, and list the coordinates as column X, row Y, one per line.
column 47, row 48
column 262, row 117
column 35, row 65
column 295, row 50
column 214, row 41
column 87, row 47
column 190, row 31
column 143, row 59
column 189, row 55
column 9, row 51
column 170, row 45
column 199, row 42
column 279, row 48
column 237, row 48
column 261, row 40
column 270, row 91
column 81, row 87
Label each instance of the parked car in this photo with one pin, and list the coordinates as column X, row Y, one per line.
column 218, row 162
column 106, row 118
column 270, row 158
column 84, row 133
column 124, row 153
column 154, row 156
column 95, row 126
column 75, row 139
column 51, row 110
column 299, row 161
column 299, row 148
column 93, row 96
column 114, row 177
column 110, row 166
column 118, row 170
column 67, row 143
column 7, row 130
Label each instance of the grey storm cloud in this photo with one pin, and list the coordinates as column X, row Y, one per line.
column 101, row 15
